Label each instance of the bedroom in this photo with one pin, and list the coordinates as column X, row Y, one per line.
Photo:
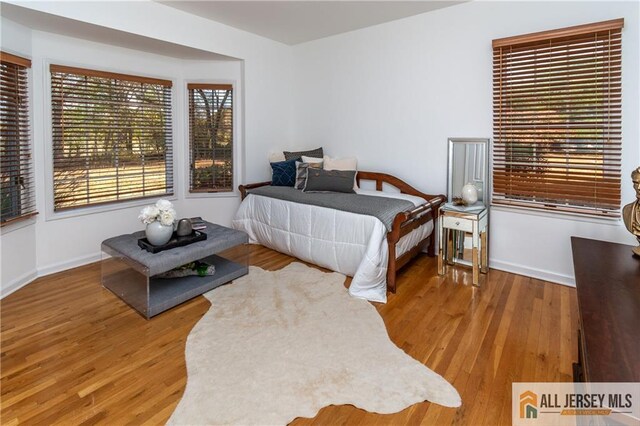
column 389, row 94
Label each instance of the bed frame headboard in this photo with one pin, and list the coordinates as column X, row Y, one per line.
column 405, row 188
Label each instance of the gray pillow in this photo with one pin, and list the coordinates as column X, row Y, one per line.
column 301, row 173
column 319, row 180
column 315, row 153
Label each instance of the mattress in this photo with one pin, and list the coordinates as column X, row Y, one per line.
column 349, row 243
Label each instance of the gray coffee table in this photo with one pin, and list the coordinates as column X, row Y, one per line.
column 131, row 272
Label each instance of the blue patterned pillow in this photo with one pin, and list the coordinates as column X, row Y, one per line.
column 284, row 173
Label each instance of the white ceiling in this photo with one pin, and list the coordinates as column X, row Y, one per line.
column 71, row 28
column 294, row 22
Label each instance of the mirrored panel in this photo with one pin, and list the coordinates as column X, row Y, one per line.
column 459, row 247
column 468, row 163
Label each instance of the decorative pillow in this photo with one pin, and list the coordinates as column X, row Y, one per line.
column 276, row 157
column 313, row 160
column 316, row 153
column 347, row 163
column 319, row 180
column 301, row 172
column 283, row 173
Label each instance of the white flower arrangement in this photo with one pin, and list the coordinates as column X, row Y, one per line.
column 162, row 211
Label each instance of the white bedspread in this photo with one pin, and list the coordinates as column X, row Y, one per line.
column 349, row 243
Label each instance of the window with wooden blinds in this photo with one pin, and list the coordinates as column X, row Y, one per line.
column 112, row 137
column 557, row 119
column 210, row 137
column 17, row 187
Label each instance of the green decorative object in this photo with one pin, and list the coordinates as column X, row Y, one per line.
column 198, row 268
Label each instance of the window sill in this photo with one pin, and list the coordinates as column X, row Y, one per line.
column 18, row 224
column 90, row 210
column 573, row 217
column 230, row 194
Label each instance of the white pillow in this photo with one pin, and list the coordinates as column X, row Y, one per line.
column 347, row 163
column 276, row 157
column 312, row 160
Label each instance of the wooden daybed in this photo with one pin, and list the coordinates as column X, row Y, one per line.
column 403, row 224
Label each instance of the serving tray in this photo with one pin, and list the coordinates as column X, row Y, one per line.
column 174, row 242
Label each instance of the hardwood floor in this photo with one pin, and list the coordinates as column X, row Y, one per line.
column 73, row 353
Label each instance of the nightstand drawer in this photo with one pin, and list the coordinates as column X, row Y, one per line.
column 457, row 223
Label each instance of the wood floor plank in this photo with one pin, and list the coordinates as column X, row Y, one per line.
column 73, row 353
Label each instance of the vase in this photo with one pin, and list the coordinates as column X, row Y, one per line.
column 158, row 234
column 469, row 194
column 184, row 228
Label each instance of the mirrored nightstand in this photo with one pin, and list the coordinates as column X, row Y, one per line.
column 454, row 228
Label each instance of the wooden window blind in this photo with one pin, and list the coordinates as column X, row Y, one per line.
column 112, row 137
column 557, row 119
column 210, row 137
column 17, row 186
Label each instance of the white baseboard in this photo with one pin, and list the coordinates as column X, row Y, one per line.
column 27, row 278
column 83, row 260
column 68, row 264
column 540, row 274
column 18, row 283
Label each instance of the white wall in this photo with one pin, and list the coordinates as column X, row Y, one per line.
column 57, row 242
column 267, row 69
column 17, row 242
column 392, row 94
column 72, row 238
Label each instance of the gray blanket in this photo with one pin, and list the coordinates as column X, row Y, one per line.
column 383, row 208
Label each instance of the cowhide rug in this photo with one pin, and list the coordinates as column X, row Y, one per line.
column 279, row 345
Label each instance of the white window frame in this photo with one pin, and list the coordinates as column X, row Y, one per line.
column 238, row 138
column 50, row 214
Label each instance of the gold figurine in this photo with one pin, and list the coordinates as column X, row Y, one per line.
column 631, row 212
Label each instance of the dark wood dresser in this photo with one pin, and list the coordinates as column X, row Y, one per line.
column 608, row 285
